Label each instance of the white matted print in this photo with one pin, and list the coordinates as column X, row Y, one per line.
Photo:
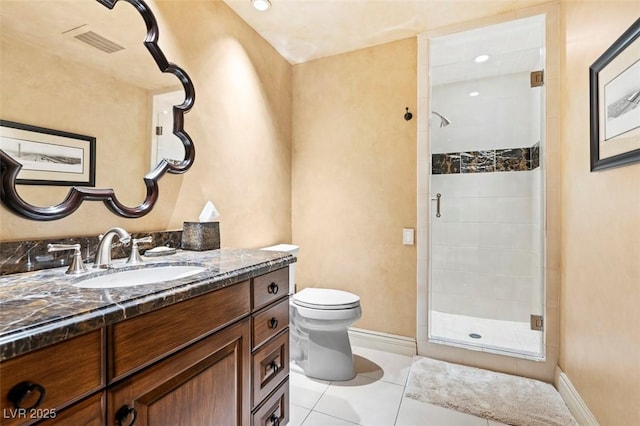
column 49, row 157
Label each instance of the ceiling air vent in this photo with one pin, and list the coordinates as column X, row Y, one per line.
column 99, row 42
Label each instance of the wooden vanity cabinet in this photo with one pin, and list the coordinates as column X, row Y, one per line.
column 270, row 348
column 219, row 359
column 197, row 367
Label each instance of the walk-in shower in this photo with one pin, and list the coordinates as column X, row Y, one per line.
column 486, row 186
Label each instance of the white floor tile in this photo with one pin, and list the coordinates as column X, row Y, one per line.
column 385, row 366
column 373, row 398
column 319, row 419
column 363, row 400
column 305, row 392
column 417, row 413
column 297, row 415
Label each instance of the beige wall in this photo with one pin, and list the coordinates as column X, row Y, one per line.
column 354, row 180
column 240, row 123
column 600, row 297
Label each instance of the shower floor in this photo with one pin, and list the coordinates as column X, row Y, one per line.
column 496, row 335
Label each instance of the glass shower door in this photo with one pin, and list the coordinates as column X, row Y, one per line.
column 486, row 284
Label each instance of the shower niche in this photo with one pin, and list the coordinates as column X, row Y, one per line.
column 486, row 254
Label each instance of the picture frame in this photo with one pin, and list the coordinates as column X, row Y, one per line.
column 49, row 157
column 614, row 97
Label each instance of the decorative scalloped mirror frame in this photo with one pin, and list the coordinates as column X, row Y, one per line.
column 9, row 168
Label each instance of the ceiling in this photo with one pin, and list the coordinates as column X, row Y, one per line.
column 512, row 47
column 304, row 30
column 300, row 30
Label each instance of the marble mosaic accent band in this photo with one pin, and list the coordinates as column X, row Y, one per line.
column 26, row 256
column 489, row 161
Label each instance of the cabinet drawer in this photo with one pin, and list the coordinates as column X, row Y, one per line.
column 269, row 287
column 275, row 410
column 270, row 366
column 65, row 371
column 90, row 412
column 141, row 340
column 269, row 322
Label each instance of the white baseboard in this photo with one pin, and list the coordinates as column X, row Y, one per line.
column 574, row 401
column 382, row 341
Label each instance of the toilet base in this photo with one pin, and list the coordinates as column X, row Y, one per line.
column 330, row 356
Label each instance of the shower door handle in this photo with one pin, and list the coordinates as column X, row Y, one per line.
column 438, row 196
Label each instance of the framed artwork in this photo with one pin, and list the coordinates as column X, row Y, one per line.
column 614, row 80
column 49, row 157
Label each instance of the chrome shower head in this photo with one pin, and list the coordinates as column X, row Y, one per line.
column 444, row 121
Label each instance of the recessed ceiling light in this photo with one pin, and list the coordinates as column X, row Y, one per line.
column 481, row 58
column 474, row 93
column 261, row 5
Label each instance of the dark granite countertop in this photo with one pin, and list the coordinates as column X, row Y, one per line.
column 43, row 307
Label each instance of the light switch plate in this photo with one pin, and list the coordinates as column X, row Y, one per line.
column 407, row 236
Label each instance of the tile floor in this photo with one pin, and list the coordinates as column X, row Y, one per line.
column 375, row 397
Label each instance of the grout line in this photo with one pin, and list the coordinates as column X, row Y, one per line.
column 323, row 392
column 305, row 417
column 404, row 388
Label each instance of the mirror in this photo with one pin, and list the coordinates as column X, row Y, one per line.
column 94, row 68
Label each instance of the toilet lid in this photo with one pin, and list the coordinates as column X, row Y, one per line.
column 325, row 298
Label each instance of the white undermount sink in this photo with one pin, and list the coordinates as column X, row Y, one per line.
column 144, row 275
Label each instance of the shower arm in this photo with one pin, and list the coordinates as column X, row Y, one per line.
column 444, row 121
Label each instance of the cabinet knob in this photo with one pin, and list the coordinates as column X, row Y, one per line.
column 22, row 390
column 273, row 288
column 124, row 412
column 274, row 366
column 273, row 322
column 275, row 419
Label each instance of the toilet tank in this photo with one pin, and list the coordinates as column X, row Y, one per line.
column 291, row 249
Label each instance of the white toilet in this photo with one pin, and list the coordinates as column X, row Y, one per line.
column 318, row 322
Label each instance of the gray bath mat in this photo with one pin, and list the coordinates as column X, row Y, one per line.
column 502, row 397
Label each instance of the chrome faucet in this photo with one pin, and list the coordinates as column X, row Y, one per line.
column 103, row 254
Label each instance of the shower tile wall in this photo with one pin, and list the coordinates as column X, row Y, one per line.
column 486, row 245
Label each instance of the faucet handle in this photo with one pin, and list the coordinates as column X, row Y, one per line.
column 134, row 257
column 77, row 265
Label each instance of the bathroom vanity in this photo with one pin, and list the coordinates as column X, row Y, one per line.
column 208, row 349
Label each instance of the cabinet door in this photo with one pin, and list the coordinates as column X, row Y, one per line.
column 207, row 383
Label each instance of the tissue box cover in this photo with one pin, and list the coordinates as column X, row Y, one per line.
column 200, row 236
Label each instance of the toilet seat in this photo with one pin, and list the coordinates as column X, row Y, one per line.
column 326, row 299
